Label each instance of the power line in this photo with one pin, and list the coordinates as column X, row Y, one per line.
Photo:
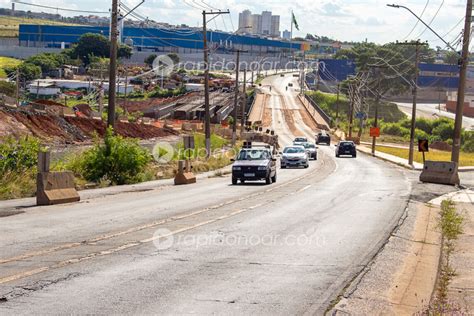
column 432, row 19
column 417, row 21
column 60, row 9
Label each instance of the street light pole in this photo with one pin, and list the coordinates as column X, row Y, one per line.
column 462, row 84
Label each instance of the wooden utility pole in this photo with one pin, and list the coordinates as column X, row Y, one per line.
column 417, row 45
column 236, row 99
column 207, row 119
column 113, row 65
column 462, row 84
column 377, row 105
column 17, row 91
column 126, row 91
column 244, row 105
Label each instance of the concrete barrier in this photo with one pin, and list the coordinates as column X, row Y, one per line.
column 442, row 172
column 184, row 175
column 56, row 188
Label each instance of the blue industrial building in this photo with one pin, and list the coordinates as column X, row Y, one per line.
column 438, row 76
column 166, row 40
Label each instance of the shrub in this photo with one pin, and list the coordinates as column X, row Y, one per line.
column 424, row 125
column 444, row 130
column 160, row 93
column 468, row 146
column 18, row 155
column 119, row 160
column 395, row 129
column 419, row 134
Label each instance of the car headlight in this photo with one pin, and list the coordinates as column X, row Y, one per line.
column 263, row 168
column 237, row 168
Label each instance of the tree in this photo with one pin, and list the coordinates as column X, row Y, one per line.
column 451, row 58
column 174, row 57
column 397, row 62
column 89, row 45
column 47, row 61
column 150, row 59
column 124, row 51
column 7, row 88
column 29, row 72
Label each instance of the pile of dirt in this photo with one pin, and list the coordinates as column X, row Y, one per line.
column 443, row 146
column 52, row 128
column 141, row 106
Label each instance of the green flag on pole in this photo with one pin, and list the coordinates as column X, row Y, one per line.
column 295, row 22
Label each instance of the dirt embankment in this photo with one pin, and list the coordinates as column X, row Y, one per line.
column 51, row 128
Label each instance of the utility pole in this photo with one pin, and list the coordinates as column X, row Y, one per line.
column 351, row 111
column 377, row 105
column 17, row 91
column 113, row 65
column 417, row 45
column 462, row 84
column 337, row 100
column 126, row 90
column 207, row 119
column 244, row 105
column 236, row 99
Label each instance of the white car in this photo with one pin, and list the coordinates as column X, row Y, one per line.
column 294, row 156
column 312, row 150
column 300, row 141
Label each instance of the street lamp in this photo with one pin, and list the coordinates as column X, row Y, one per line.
column 463, row 62
column 424, row 23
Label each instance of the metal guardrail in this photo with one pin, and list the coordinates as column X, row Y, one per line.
column 323, row 114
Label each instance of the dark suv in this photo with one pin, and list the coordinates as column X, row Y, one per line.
column 253, row 164
column 346, row 148
column 323, row 138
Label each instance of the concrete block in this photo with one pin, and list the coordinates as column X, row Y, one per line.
column 441, row 172
column 56, row 188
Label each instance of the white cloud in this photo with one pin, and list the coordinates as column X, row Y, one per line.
column 340, row 19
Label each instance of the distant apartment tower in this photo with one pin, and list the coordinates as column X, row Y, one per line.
column 286, row 35
column 260, row 24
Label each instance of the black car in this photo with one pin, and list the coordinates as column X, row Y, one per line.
column 346, row 148
column 253, row 164
column 323, row 138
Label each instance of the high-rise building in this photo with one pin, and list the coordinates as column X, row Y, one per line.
column 286, row 35
column 245, row 20
column 260, row 24
column 275, row 31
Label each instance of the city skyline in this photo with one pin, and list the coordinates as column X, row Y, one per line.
column 374, row 20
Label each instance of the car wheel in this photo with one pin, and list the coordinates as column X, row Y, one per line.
column 268, row 179
column 337, row 155
column 242, row 181
column 274, row 178
column 283, row 167
column 234, row 181
column 354, row 156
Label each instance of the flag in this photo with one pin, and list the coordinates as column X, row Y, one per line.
column 295, row 22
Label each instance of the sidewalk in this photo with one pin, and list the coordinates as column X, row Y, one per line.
column 400, row 161
column 461, row 287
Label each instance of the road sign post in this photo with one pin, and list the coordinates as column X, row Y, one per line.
column 423, row 147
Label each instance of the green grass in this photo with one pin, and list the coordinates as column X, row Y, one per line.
column 466, row 159
column 7, row 61
column 9, row 25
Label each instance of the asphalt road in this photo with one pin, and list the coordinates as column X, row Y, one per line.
column 432, row 111
column 290, row 247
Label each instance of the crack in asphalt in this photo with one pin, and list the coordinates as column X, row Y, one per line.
column 24, row 290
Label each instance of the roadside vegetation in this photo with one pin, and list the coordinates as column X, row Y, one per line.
column 451, row 226
column 115, row 160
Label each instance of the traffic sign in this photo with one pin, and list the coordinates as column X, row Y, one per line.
column 423, row 146
column 361, row 115
column 375, row 132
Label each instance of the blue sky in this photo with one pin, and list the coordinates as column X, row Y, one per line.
column 343, row 20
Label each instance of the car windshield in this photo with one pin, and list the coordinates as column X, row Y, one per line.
column 293, row 150
column 346, row 144
column 254, row 154
column 300, row 140
column 308, row 145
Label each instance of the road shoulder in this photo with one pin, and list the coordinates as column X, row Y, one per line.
column 401, row 278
